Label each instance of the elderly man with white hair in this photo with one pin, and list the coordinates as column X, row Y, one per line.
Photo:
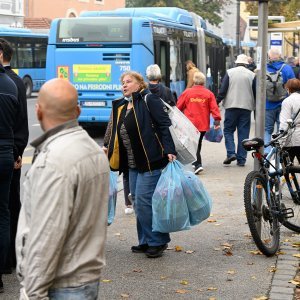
column 273, row 108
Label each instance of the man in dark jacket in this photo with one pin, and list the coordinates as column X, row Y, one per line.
column 153, row 74
column 9, row 106
column 21, row 134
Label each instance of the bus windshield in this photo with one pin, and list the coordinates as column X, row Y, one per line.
column 94, row 30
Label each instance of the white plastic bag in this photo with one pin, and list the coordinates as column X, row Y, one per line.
column 185, row 135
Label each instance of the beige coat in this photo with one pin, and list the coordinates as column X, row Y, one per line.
column 63, row 219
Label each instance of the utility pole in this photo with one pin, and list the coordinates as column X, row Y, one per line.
column 261, row 74
column 238, row 26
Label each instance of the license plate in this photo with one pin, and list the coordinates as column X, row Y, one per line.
column 93, row 103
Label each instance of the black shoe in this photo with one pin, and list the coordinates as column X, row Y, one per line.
column 198, row 169
column 229, row 160
column 140, row 248
column 156, row 251
column 194, row 164
column 1, row 286
column 241, row 164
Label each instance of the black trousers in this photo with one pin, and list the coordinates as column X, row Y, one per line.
column 294, row 152
column 126, row 187
column 199, row 159
column 14, row 209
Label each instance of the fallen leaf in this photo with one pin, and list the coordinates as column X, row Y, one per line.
column 253, row 277
column 117, row 234
column 261, row 298
column 200, row 290
column 184, row 282
column 211, row 221
column 124, row 295
column 250, row 263
column 231, row 272
column 163, row 277
column 181, row 291
column 256, row 252
column 287, row 240
column 295, row 282
column 227, row 245
column 178, row 248
column 106, row 280
column 217, row 224
column 211, row 288
column 280, row 253
column 227, row 252
column 217, row 249
column 137, row 270
column 189, row 251
column 272, row 270
column 212, row 298
column 296, row 255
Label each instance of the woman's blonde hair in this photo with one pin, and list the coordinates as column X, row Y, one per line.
column 137, row 76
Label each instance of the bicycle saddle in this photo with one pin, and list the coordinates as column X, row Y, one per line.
column 253, row 144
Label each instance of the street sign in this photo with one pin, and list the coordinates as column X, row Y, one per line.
column 276, row 40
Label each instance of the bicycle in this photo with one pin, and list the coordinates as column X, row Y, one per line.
column 266, row 200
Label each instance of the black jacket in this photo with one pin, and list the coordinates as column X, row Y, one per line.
column 9, row 106
column 163, row 92
column 21, row 132
column 149, row 134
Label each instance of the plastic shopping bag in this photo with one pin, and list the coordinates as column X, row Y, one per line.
column 198, row 200
column 113, row 191
column 214, row 135
column 170, row 211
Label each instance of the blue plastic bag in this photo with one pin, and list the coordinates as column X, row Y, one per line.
column 198, row 200
column 112, row 200
column 169, row 207
column 214, row 135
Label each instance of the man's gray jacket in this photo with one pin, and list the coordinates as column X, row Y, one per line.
column 63, row 219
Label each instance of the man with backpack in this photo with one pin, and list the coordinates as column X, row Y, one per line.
column 278, row 73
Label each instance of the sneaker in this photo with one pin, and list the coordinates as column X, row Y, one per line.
column 156, row 251
column 198, row 169
column 140, row 248
column 194, row 164
column 240, row 164
column 129, row 211
column 229, row 160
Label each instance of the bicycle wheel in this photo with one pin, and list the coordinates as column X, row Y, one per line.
column 263, row 224
column 291, row 201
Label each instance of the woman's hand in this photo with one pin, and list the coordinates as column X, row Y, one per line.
column 171, row 157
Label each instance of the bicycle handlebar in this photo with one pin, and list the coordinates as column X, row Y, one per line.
column 280, row 135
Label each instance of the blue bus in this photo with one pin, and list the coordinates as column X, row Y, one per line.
column 29, row 58
column 92, row 52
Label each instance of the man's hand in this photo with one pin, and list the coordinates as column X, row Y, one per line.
column 18, row 163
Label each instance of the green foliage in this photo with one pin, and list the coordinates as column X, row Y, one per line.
column 288, row 9
column 207, row 9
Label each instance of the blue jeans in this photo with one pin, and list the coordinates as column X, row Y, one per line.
column 142, row 186
column 240, row 119
column 272, row 117
column 87, row 291
column 6, row 171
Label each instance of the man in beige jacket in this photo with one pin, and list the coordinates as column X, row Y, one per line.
column 63, row 220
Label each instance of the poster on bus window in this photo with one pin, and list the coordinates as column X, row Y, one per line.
column 91, row 73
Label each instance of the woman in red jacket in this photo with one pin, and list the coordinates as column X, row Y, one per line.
column 197, row 103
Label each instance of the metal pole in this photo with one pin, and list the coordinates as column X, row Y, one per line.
column 261, row 74
column 238, row 13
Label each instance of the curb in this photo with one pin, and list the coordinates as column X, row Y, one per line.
column 287, row 266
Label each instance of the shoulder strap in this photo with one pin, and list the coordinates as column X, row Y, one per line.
column 278, row 72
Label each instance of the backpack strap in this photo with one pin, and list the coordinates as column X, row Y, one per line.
column 278, row 72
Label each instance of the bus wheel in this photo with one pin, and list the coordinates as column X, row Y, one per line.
column 28, row 85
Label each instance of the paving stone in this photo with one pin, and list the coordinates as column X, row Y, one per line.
column 283, row 277
column 282, row 283
column 290, row 272
column 282, row 290
column 279, row 296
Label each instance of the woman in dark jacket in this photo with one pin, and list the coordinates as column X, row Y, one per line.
column 140, row 141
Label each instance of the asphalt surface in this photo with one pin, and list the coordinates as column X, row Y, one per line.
column 214, row 260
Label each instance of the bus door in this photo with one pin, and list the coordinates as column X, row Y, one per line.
column 162, row 58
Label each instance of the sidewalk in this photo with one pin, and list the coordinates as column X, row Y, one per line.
column 214, row 260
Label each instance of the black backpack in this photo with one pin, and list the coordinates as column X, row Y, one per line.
column 275, row 86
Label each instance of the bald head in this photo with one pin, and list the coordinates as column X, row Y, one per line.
column 57, row 103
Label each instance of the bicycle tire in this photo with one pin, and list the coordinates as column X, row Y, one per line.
column 292, row 223
column 264, row 225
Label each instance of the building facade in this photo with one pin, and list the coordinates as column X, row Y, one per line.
column 11, row 13
column 66, row 8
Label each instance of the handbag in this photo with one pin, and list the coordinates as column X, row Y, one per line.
column 184, row 134
column 112, row 200
column 214, row 135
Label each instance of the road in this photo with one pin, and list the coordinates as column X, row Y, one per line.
column 214, row 260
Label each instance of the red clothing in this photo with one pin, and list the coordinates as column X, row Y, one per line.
column 197, row 103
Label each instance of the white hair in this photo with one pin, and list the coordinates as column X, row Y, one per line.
column 153, row 72
column 274, row 54
column 199, row 78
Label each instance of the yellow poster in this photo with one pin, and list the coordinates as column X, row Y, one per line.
column 91, row 73
column 63, row 72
